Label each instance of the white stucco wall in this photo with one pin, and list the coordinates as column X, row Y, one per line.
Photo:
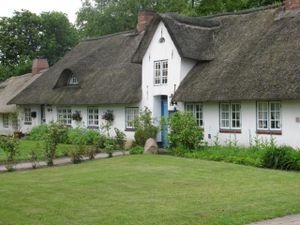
column 177, row 70
column 290, row 128
column 6, row 130
column 51, row 115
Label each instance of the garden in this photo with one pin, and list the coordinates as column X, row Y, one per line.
column 47, row 142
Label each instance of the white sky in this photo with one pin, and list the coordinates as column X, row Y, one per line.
column 69, row 7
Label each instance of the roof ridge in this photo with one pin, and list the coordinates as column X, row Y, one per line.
column 107, row 36
column 244, row 11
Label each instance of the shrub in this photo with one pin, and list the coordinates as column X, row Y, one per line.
column 184, row 131
column 56, row 133
column 76, row 154
column 144, row 127
column 91, row 137
column 137, row 150
column 100, row 142
column 120, row 138
column 110, row 145
column 91, row 152
column 38, row 133
column 284, row 158
column 10, row 146
column 33, row 157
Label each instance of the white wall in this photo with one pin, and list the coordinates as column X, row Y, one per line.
column 51, row 115
column 4, row 130
column 178, row 69
column 25, row 128
column 290, row 128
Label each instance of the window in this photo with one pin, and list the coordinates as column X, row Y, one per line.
column 64, row 115
column 130, row 115
column 230, row 116
column 196, row 111
column 269, row 116
column 27, row 116
column 5, row 120
column 93, row 117
column 73, row 81
column 161, row 72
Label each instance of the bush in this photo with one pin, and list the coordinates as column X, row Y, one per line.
column 137, row 150
column 56, row 133
column 10, row 146
column 184, row 131
column 91, row 152
column 76, row 154
column 86, row 136
column 38, row 133
column 100, row 142
column 91, row 137
column 284, row 158
column 120, row 138
column 144, row 128
column 110, row 145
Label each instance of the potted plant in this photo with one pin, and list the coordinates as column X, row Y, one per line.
column 76, row 116
column 108, row 116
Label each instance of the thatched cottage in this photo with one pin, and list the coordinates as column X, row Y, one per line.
column 12, row 87
column 237, row 73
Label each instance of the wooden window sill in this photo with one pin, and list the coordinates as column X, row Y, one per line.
column 93, row 127
column 229, row 131
column 269, row 132
column 130, row 129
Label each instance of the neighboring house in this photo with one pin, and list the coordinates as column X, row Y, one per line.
column 238, row 74
column 9, row 121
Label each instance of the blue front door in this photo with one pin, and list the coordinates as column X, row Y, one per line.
column 164, row 113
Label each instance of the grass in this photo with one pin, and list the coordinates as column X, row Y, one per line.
column 26, row 147
column 148, row 190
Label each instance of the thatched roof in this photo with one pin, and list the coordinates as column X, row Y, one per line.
column 194, row 37
column 250, row 55
column 11, row 87
column 257, row 58
column 103, row 68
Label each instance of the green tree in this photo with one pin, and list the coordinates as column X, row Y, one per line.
column 25, row 36
column 59, row 35
column 100, row 17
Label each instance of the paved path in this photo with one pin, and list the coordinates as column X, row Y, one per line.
column 60, row 161
column 287, row 220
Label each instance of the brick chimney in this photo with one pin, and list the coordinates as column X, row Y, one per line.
column 144, row 19
column 38, row 65
column 292, row 4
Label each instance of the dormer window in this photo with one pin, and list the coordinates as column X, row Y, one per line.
column 67, row 79
column 73, row 81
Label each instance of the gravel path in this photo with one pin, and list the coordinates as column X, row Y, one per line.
column 287, row 220
column 60, row 161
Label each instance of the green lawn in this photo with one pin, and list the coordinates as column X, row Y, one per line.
column 26, row 147
column 147, row 190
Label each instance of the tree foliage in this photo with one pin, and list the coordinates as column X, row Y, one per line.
column 26, row 35
column 100, row 17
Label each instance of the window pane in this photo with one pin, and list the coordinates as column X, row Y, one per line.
column 262, row 115
column 130, row 115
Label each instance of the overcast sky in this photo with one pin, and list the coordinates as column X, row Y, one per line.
column 69, row 7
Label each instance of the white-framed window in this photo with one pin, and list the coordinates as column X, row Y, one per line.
column 269, row 116
column 27, row 116
column 73, row 81
column 196, row 109
column 130, row 114
column 161, row 72
column 93, row 117
column 5, row 120
column 64, row 115
column 230, row 116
